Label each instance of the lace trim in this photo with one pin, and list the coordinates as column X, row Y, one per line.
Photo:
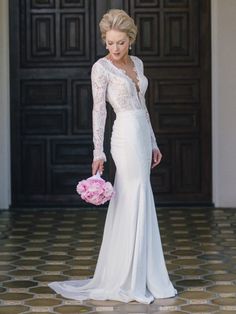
column 137, row 85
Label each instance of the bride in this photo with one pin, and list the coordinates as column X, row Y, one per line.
column 131, row 265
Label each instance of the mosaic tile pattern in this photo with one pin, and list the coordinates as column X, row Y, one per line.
column 37, row 247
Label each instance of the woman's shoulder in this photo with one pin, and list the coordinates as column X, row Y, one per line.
column 137, row 60
column 100, row 63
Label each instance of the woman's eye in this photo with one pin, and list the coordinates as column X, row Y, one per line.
column 120, row 43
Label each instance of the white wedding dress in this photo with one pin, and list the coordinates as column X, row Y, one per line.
column 131, row 265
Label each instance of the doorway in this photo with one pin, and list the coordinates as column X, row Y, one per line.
column 53, row 46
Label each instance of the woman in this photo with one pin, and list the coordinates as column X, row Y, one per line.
column 130, row 264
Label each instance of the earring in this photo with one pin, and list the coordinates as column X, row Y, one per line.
column 130, row 47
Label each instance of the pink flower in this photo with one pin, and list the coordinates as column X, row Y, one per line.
column 81, row 187
column 95, row 190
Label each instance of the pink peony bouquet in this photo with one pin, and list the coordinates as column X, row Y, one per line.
column 95, row 190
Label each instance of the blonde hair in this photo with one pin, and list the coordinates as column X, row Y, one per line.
column 118, row 20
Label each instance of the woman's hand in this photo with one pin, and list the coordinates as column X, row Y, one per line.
column 157, row 156
column 97, row 165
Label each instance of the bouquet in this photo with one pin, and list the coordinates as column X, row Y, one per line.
column 95, row 190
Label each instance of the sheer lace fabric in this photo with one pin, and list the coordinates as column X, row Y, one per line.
column 113, row 85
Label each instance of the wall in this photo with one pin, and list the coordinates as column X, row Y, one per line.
column 224, row 102
column 5, row 193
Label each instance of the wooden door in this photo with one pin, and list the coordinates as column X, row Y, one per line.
column 174, row 42
column 53, row 46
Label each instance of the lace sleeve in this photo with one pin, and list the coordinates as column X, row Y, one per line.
column 153, row 138
column 99, row 84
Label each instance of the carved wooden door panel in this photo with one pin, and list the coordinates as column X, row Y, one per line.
column 174, row 43
column 52, row 49
column 53, row 46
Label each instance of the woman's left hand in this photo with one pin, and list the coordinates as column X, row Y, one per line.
column 157, row 156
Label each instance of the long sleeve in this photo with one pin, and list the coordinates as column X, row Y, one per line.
column 99, row 85
column 153, row 138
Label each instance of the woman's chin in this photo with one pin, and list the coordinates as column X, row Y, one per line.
column 116, row 55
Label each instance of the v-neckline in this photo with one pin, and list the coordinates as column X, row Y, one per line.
column 137, row 86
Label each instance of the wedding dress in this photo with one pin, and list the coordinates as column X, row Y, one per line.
column 131, row 265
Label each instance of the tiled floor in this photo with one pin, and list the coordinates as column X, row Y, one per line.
column 37, row 247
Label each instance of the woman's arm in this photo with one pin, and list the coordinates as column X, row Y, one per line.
column 153, row 138
column 99, row 85
column 156, row 153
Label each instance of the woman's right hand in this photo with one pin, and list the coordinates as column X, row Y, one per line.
column 97, row 165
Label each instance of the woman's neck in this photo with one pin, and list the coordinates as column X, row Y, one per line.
column 122, row 62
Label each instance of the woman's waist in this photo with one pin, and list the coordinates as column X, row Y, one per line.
column 131, row 113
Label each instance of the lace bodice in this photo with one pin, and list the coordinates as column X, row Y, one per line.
column 111, row 84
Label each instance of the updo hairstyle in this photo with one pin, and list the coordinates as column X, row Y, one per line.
column 120, row 21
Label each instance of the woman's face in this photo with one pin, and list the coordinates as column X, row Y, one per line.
column 117, row 43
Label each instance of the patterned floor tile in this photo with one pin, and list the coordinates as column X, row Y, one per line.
column 13, row 309
column 40, row 246
column 72, row 309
